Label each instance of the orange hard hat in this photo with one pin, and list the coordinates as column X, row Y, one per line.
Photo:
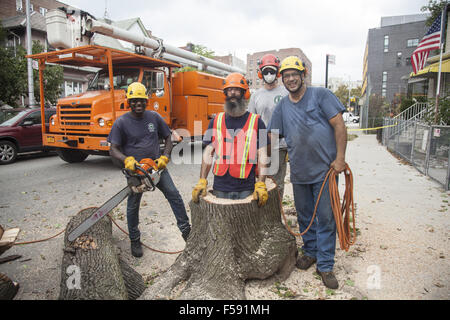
column 237, row 80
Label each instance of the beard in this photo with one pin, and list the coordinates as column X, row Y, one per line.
column 235, row 107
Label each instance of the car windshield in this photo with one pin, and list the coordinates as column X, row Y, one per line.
column 122, row 79
column 12, row 120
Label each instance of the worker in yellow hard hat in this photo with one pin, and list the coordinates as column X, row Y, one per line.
column 135, row 136
column 234, row 140
column 310, row 119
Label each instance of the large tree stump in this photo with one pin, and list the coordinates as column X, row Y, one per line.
column 231, row 241
column 91, row 267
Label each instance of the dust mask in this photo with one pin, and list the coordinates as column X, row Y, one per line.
column 269, row 78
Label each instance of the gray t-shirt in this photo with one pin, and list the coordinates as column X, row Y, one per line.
column 309, row 135
column 263, row 102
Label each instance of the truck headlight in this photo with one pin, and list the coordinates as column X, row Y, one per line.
column 101, row 122
column 52, row 121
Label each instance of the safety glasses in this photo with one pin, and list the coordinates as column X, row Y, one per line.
column 267, row 71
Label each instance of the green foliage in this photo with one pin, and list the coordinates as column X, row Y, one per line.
column 443, row 113
column 14, row 75
column 53, row 78
column 342, row 94
column 434, row 7
column 197, row 49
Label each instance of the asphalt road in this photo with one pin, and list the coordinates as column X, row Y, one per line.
column 39, row 194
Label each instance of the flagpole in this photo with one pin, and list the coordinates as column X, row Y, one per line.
column 438, row 89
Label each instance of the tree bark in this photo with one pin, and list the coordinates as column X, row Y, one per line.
column 231, row 241
column 91, row 267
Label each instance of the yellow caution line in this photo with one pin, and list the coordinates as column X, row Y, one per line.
column 392, row 125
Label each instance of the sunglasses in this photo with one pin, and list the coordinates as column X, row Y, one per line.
column 267, row 71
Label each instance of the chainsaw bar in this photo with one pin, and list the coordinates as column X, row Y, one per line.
column 99, row 213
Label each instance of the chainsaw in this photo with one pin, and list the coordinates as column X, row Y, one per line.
column 144, row 179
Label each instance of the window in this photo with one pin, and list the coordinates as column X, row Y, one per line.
column 386, row 43
column 399, row 59
column 412, row 43
column 19, row 6
column 384, row 84
column 43, row 11
column 408, row 61
column 153, row 81
column 383, row 93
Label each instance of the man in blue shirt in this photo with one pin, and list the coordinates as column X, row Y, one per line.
column 135, row 136
column 310, row 119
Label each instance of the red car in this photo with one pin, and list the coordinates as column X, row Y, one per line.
column 21, row 132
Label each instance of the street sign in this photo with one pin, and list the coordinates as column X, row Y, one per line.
column 331, row 59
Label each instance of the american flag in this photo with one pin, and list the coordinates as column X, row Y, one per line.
column 431, row 41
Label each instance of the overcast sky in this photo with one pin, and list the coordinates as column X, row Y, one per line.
column 246, row 26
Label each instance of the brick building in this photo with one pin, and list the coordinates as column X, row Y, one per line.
column 252, row 64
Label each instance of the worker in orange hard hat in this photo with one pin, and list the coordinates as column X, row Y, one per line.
column 135, row 136
column 263, row 102
column 235, row 139
column 310, row 119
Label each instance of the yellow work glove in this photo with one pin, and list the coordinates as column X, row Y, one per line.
column 260, row 193
column 199, row 189
column 162, row 162
column 287, row 157
column 130, row 163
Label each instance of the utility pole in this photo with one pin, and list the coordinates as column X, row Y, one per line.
column 31, row 100
column 326, row 72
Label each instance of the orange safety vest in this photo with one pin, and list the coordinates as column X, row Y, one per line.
column 236, row 155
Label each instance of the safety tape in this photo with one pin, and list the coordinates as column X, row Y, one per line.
column 392, row 125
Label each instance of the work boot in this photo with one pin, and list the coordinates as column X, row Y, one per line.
column 136, row 248
column 304, row 262
column 328, row 279
column 185, row 233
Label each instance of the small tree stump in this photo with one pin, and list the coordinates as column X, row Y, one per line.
column 231, row 241
column 91, row 267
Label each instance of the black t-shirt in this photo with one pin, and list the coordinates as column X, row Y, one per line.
column 139, row 137
column 227, row 183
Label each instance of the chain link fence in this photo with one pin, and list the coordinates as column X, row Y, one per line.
column 425, row 147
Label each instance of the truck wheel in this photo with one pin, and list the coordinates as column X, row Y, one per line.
column 71, row 155
column 8, row 152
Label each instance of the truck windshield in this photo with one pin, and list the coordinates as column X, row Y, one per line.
column 122, row 79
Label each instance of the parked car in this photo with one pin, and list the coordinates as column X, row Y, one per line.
column 350, row 117
column 22, row 133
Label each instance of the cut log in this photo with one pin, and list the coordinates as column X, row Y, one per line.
column 8, row 288
column 7, row 238
column 92, row 268
column 231, row 241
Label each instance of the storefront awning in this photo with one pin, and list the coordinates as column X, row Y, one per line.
column 432, row 68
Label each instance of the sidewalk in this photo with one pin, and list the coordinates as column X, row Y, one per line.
column 402, row 251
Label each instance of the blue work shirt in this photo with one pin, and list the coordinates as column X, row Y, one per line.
column 139, row 137
column 308, row 133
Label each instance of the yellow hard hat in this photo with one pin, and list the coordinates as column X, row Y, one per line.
column 137, row 90
column 292, row 62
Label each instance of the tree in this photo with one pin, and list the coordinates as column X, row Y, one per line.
column 53, row 78
column 435, row 7
column 342, row 94
column 200, row 50
column 231, row 241
column 14, row 74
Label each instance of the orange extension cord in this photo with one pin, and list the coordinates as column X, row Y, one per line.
column 341, row 212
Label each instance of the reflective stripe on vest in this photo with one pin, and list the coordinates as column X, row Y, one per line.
column 236, row 155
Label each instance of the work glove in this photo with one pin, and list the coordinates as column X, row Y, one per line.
column 287, row 157
column 162, row 162
column 260, row 193
column 199, row 189
column 130, row 163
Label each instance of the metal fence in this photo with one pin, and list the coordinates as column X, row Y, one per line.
column 426, row 147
